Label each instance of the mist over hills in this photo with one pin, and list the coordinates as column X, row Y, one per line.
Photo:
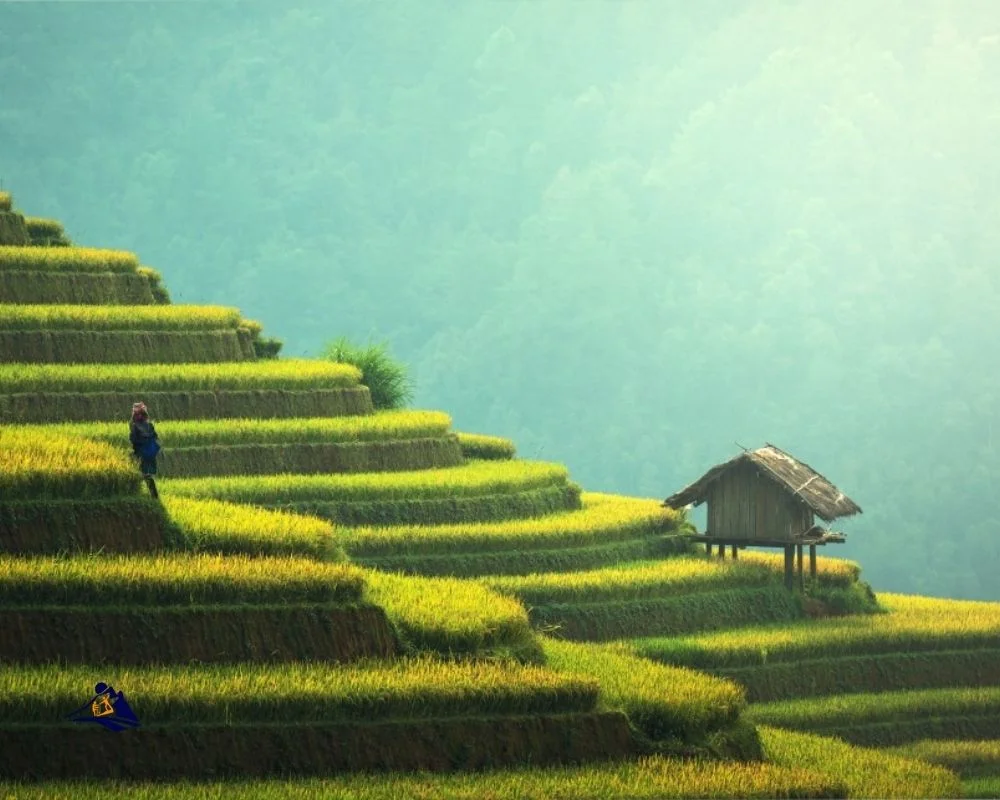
column 625, row 238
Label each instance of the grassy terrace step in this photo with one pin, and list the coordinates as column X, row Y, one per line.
column 35, row 466
column 13, row 231
column 85, row 288
column 213, row 526
column 379, row 426
column 179, row 608
column 479, row 490
column 114, row 347
column 75, row 317
column 920, row 642
column 46, row 232
column 866, row 772
column 387, row 440
column 67, row 259
column 890, row 718
column 607, row 529
column 117, row 525
column 299, row 718
column 478, row 445
column 453, row 617
column 969, row 759
column 679, row 708
column 667, row 597
column 911, row 623
column 105, row 392
column 297, row 374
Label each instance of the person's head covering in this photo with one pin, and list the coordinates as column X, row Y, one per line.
column 139, row 411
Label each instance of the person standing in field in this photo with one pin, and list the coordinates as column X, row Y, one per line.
column 145, row 445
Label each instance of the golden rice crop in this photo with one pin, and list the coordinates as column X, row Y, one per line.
column 67, row 259
column 867, row 772
column 174, row 579
column 6, row 201
column 382, row 425
column 117, row 318
column 912, row 623
column 603, row 518
column 833, row 570
column 247, row 375
column 642, row 779
column 449, row 615
column 848, row 710
column 34, row 466
column 476, row 478
column 299, row 692
column 216, row 527
column 967, row 758
column 642, row 580
column 662, row 701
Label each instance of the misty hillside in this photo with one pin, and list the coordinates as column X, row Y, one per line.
column 626, row 238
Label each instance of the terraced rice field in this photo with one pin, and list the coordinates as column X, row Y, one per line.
column 890, row 718
column 117, row 318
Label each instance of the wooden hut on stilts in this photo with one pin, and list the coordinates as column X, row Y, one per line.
column 767, row 498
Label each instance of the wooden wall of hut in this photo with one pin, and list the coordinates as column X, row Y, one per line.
column 746, row 503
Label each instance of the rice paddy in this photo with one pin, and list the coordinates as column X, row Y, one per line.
column 117, row 318
column 379, row 426
column 67, row 259
column 142, row 378
column 174, row 579
column 35, row 465
column 641, row 779
column 297, row 693
column 475, row 479
column 602, row 518
column 912, row 624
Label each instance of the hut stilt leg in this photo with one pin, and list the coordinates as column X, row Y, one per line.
column 812, row 561
column 722, row 552
column 708, row 549
column 735, row 553
column 799, row 559
column 789, row 566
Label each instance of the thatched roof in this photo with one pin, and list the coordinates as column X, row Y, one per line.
column 825, row 499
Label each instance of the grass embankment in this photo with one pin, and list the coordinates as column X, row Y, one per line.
column 180, row 608
column 379, row 442
column 678, row 709
column 479, row 490
column 215, row 721
column 46, row 232
column 213, row 526
column 67, row 259
column 919, row 642
column 889, row 718
column 970, row 759
column 82, row 288
column 35, row 465
column 650, row 777
column 678, row 595
column 118, row 318
column 606, row 526
column 42, row 393
column 481, row 446
column 291, row 374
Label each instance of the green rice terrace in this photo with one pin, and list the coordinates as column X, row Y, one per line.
column 326, row 590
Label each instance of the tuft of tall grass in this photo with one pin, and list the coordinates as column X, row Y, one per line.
column 387, row 379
